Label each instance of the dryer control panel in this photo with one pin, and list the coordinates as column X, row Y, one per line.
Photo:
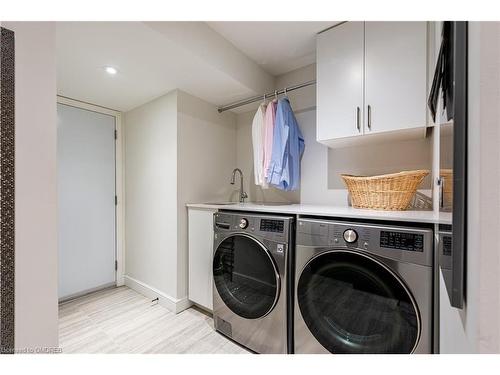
column 402, row 240
column 408, row 244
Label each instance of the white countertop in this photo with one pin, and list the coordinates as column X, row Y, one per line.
column 333, row 211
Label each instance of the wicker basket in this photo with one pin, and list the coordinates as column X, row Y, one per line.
column 386, row 192
column 447, row 176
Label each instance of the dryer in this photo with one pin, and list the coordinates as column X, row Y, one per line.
column 251, row 268
column 362, row 288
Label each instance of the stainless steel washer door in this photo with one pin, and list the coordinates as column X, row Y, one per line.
column 352, row 303
column 246, row 276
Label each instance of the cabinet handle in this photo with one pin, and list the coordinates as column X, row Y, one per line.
column 369, row 117
column 441, row 192
column 358, row 119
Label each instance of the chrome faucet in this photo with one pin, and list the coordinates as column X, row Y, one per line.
column 243, row 195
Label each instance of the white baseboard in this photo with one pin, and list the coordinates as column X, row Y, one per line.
column 173, row 304
column 120, row 280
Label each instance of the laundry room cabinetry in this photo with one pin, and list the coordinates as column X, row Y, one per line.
column 201, row 239
column 340, row 82
column 371, row 82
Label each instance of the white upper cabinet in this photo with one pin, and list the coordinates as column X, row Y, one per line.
column 340, row 81
column 378, row 67
column 395, row 75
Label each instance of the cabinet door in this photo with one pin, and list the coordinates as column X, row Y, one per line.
column 395, row 75
column 340, row 82
column 201, row 239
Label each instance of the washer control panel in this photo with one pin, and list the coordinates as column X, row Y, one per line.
column 272, row 225
column 273, row 228
column 243, row 223
column 350, row 236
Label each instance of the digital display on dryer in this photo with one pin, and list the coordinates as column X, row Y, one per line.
column 402, row 241
column 268, row 225
column 446, row 245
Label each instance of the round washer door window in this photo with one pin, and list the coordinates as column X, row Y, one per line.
column 351, row 303
column 246, row 277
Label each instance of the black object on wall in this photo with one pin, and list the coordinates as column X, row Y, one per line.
column 443, row 74
column 460, row 114
column 7, row 232
column 451, row 78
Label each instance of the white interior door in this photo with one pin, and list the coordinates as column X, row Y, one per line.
column 86, row 197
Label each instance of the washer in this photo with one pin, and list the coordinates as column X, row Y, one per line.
column 250, row 268
column 362, row 288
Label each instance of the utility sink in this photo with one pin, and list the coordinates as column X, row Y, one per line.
column 256, row 203
column 272, row 203
column 220, row 203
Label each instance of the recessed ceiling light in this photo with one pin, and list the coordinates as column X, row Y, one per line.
column 110, row 70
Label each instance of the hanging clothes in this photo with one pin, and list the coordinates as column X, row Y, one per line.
column 269, row 120
column 258, row 145
column 288, row 147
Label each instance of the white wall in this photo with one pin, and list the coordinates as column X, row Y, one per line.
column 151, row 194
column 178, row 149
column 380, row 158
column 476, row 328
column 205, row 44
column 489, row 223
column 303, row 99
column 314, row 179
column 321, row 166
column 206, row 155
column 36, row 309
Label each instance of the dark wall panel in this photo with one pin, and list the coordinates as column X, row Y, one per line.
column 7, row 132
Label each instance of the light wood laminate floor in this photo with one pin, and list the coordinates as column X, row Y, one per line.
column 120, row 320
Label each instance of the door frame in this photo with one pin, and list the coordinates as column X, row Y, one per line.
column 119, row 180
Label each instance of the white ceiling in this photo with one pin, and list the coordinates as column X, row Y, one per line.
column 278, row 47
column 219, row 62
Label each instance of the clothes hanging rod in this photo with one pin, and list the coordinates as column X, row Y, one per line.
column 257, row 98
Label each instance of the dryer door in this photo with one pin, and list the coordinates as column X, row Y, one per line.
column 352, row 303
column 246, row 276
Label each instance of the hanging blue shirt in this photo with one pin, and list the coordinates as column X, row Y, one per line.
column 288, row 147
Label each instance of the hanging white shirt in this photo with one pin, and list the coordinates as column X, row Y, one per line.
column 258, row 146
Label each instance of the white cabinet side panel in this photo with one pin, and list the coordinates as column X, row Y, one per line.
column 201, row 237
